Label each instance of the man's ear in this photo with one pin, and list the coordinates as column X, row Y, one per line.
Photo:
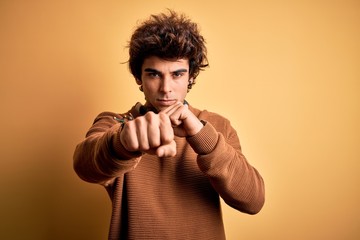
column 191, row 80
column 138, row 81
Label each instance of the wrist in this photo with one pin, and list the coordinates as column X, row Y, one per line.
column 196, row 128
column 205, row 141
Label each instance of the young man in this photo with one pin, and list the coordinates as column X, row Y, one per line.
column 165, row 163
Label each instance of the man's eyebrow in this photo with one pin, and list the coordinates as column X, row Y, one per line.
column 151, row 70
column 180, row 70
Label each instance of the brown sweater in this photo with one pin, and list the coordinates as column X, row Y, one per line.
column 175, row 197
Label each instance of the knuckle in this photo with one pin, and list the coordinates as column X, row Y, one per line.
column 144, row 147
column 151, row 118
column 131, row 148
column 138, row 121
column 150, row 115
column 163, row 116
column 167, row 138
column 173, row 118
column 130, row 145
column 154, row 142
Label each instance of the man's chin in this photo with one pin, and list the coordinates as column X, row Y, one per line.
column 159, row 108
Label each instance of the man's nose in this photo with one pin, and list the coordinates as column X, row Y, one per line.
column 166, row 84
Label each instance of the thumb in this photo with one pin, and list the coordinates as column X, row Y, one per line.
column 167, row 150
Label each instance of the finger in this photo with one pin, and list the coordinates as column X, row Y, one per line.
column 142, row 133
column 166, row 130
column 168, row 150
column 179, row 115
column 171, row 109
column 174, row 111
column 128, row 137
column 153, row 130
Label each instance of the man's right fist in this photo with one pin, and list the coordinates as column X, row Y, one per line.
column 151, row 133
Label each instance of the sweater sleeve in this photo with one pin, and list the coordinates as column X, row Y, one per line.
column 231, row 175
column 100, row 157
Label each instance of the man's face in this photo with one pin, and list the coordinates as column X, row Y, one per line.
column 164, row 82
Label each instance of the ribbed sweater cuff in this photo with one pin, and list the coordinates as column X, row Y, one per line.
column 205, row 140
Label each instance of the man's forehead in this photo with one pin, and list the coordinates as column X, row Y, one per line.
column 160, row 64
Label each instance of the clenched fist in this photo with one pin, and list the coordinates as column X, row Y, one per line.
column 153, row 133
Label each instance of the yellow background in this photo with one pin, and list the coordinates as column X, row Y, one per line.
column 286, row 73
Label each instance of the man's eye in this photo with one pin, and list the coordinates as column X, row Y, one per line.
column 178, row 74
column 153, row 75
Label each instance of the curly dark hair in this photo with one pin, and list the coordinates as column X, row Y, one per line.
column 168, row 36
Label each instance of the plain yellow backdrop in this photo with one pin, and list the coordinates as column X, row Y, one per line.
column 286, row 73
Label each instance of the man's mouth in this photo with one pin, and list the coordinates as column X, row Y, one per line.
column 166, row 102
